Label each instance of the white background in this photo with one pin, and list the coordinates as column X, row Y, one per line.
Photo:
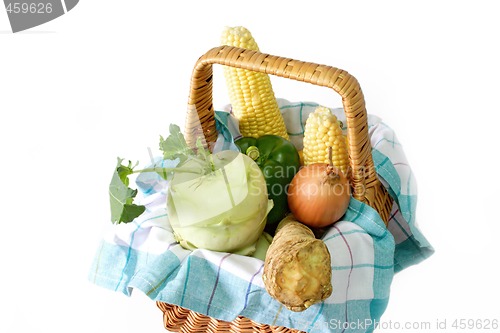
column 106, row 79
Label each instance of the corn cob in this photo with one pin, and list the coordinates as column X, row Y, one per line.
column 251, row 93
column 321, row 131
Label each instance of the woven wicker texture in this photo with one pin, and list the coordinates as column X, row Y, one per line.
column 200, row 123
column 178, row 319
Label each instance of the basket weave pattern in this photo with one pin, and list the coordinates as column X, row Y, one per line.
column 200, row 123
column 178, row 319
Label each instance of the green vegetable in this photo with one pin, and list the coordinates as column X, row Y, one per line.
column 175, row 147
column 223, row 210
column 121, row 196
column 279, row 161
column 262, row 246
column 216, row 201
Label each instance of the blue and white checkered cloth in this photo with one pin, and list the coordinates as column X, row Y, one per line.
column 365, row 254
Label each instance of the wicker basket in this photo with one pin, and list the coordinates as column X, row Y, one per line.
column 200, row 122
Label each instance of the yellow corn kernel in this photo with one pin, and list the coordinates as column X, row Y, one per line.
column 322, row 131
column 250, row 93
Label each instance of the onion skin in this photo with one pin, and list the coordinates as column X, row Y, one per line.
column 318, row 195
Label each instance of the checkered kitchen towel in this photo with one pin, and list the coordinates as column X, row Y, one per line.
column 143, row 254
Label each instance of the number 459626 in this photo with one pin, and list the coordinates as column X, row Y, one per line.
column 475, row 324
column 31, row 8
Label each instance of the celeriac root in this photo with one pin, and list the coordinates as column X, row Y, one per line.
column 297, row 269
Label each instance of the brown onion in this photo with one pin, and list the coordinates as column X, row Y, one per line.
column 319, row 195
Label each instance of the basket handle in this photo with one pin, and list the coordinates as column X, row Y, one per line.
column 200, row 120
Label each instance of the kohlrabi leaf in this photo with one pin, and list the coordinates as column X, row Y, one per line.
column 121, row 196
column 175, row 149
column 175, row 146
column 204, row 155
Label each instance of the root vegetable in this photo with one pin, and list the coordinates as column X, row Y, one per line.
column 297, row 269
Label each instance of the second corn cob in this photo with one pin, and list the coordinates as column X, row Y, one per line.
column 251, row 93
column 322, row 131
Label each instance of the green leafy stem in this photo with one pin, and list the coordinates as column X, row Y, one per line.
column 121, row 196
